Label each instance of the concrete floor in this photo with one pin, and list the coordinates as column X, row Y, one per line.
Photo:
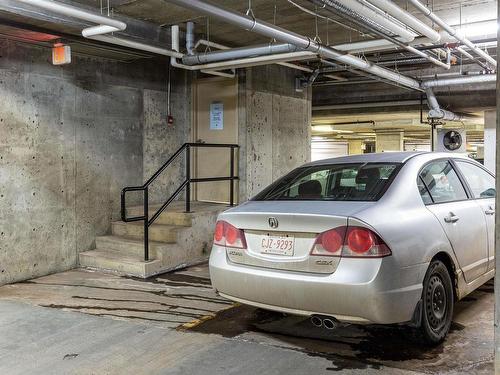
column 82, row 322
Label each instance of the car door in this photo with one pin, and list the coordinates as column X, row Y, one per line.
column 481, row 184
column 461, row 218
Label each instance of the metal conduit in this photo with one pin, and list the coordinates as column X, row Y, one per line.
column 305, row 43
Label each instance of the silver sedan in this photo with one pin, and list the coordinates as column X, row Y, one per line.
column 374, row 238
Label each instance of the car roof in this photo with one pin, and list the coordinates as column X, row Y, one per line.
column 380, row 157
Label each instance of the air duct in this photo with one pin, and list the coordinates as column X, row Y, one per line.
column 305, row 43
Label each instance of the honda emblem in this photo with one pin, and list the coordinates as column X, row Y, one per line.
column 273, row 222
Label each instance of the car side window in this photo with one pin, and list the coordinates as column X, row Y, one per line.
column 442, row 182
column 480, row 182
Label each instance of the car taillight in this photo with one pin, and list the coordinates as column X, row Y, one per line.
column 228, row 235
column 350, row 242
column 329, row 242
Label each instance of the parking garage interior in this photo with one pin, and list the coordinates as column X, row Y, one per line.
column 127, row 126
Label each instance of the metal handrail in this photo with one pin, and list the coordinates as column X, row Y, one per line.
column 185, row 184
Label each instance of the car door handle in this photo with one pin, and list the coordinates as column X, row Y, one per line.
column 451, row 218
column 490, row 211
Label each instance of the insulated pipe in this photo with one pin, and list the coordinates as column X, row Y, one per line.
column 436, row 112
column 336, row 8
column 378, row 18
column 241, row 63
column 483, row 78
column 406, row 18
column 238, row 53
column 453, row 32
column 190, row 37
column 223, row 47
column 106, row 24
column 136, row 45
column 272, row 31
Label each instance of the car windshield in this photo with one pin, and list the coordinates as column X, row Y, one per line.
column 335, row 182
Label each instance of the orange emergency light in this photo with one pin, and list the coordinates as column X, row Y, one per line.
column 61, row 54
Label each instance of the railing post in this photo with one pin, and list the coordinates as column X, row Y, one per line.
column 122, row 210
column 146, row 225
column 188, row 178
column 231, row 181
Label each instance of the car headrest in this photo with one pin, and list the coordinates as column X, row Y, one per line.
column 368, row 176
column 310, row 188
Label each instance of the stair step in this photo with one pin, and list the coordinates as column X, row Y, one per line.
column 166, row 218
column 129, row 246
column 174, row 214
column 157, row 232
column 108, row 260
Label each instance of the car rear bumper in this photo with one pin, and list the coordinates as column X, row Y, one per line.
column 360, row 290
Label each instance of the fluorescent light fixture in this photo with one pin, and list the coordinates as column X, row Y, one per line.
column 329, row 129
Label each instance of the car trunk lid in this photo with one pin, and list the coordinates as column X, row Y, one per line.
column 281, row 234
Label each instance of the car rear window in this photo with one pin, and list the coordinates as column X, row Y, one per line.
column 335, row 182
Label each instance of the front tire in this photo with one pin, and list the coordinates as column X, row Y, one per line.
column 437, row 306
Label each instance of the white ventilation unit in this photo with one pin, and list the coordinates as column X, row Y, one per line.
column 451, row 140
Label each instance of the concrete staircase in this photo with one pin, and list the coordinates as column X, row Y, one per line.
column 176, row 239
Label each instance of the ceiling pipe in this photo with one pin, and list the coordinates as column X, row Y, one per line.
column 238, row 53
column 190, row 38
column 336, row 7
column 453, row 32
column 105, row 24
column 223, row 47
column 437, row 113
column 240, row 63
column 371, row 15
column 125, row 42
column 305, row 43
column 440, row 82
column 406, row 18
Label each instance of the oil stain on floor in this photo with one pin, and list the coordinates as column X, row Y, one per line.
column 371, row 346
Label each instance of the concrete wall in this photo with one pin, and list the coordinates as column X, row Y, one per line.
column 490, row 127
column 161, row 140
column 275, row 122
column 70, row 139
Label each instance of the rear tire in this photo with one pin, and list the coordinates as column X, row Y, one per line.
column 437, row 303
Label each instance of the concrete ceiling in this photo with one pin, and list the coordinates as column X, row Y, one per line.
column 287, row 15
column 160, row 14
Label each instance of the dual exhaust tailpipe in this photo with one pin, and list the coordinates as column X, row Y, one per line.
column 327, row 322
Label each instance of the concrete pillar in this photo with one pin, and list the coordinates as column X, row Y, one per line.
column 275, row 126
column 355, row 147
column 389, row 140
column 490, row 124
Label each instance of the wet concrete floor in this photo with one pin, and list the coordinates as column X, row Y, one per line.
column 87, row 322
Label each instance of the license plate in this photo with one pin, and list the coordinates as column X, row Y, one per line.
column 278, row 245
